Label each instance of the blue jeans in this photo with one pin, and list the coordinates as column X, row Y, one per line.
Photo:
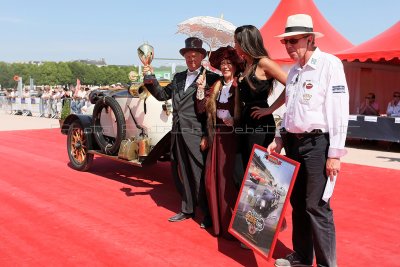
column 313, row 225
column 76, row 106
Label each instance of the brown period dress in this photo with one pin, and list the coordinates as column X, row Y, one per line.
column 219, row 183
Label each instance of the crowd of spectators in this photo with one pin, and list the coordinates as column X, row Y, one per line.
column 50, row 100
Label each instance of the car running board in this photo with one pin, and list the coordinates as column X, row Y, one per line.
column 135, row 162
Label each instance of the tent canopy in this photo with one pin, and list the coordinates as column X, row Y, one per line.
column 332, row 42
column 383, row 47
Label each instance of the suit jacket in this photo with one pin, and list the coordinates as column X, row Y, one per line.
column 186, row 121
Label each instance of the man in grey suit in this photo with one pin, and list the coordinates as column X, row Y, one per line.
column 188, row 129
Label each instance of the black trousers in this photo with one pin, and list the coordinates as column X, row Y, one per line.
column 313, row 225
column 188, row 174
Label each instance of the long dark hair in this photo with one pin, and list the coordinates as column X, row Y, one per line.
column 249, row 38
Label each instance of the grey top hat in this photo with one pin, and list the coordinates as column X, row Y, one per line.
column 193, row 44
column 299, row 24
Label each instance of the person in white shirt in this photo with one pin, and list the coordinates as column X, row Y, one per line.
column 14, row 94
column 56, row 102
column 26, row 93
column 26, row 99
column 314, row 134
column 87, row 104
column 393, row 108
column 45, row 102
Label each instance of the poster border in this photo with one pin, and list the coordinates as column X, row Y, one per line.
column 239, row 236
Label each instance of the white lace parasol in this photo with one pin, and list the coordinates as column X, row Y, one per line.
column 216, row 32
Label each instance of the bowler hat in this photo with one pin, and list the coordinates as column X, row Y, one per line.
column 193, row 44
column 299, row 24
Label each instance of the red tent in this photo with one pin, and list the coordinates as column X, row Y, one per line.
column 332, row 42
column 384, row 47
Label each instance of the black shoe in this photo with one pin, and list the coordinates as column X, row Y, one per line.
column 292, row 259
column 180, row 217
column 206, row 223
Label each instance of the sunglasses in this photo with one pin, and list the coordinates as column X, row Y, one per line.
column 292, row 41
column 396, row 95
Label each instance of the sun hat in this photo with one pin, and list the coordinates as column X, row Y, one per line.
column 193, row 44
column 299, row 24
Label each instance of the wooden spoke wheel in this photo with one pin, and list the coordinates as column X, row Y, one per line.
column 77, row 145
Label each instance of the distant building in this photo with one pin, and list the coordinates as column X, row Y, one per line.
column 34, row 62
column 98, row 63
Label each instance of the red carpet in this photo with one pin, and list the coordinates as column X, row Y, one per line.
column 116, row 214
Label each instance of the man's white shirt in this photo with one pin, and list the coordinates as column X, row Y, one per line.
column 317, row 97
column 191, row 76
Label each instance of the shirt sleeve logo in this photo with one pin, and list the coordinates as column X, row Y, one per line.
column 338, row 89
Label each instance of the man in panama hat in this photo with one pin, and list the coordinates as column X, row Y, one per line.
column 313, row 133
column 188, row 129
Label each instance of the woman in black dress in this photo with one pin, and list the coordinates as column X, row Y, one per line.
column 256, row 86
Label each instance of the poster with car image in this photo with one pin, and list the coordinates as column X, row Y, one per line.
column 263, row 197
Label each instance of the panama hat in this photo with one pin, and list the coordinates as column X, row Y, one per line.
column 299, row 24
column 193, row 44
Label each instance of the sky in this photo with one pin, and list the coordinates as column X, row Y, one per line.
column 61, row 30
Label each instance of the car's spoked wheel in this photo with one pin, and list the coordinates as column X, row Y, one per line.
column 77, row 145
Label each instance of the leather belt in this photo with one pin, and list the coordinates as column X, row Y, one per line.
column 306, row 134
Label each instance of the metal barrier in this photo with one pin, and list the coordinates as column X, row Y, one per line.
column 34, row 106
column 30, row 106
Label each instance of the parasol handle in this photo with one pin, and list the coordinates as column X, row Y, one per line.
column 209, row 54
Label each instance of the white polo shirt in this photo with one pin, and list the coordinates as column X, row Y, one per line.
column 317, row 97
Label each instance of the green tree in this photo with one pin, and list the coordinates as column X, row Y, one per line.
column 47, row 74
column 90, row 75
column 6, row 75
column 52, row 73
column 78, row 70
column 64, row 74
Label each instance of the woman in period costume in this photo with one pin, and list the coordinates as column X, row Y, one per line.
column 222, row 107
